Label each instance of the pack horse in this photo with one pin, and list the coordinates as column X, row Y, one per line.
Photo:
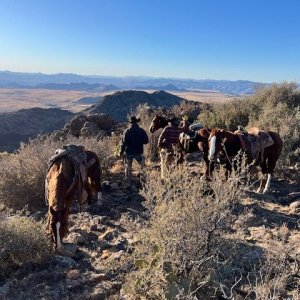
column 73, row 172
column 262, row 149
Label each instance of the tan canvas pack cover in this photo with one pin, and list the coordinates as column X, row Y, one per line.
column 255, row 141
column 259, row 141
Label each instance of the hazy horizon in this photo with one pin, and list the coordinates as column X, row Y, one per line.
column 216, row 40
column 124, row 76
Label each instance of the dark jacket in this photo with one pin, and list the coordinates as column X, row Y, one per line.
column 133, row 140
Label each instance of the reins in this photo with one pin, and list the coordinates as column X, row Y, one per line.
column 224, row 148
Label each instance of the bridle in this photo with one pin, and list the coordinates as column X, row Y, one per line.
column 212, row 153
column 157, row 123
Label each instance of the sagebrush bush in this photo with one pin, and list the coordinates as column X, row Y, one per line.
column 187, row 247
column 226, row 115
column 21, row 240
column 178, row 243
column 275, row 107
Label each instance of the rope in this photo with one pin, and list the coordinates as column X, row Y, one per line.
column 224, row 148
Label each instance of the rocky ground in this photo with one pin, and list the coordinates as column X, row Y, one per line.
column 101, row 234
column 97, row 237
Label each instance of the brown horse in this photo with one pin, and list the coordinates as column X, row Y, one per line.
column 158, row 122
column 63, row 182
column 224, row 145
column 195, row 141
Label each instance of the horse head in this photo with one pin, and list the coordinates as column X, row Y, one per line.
column 215, row 142
column 157, row 123
column 93, row 185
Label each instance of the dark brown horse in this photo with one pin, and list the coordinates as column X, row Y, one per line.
column 196, row 141
column 225, row 145
column 63, row 182
column 199, row 141
column 158, row 122
column 93, row 184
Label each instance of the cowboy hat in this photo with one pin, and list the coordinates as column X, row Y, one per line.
column 134, row 119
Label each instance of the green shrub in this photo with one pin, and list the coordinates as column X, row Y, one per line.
column 177, row 245
column 274, row 107
column 226, row 115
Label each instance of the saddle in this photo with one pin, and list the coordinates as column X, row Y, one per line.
column 191, row 134
column 78, row 158
column 195, row 127
column 254, row 141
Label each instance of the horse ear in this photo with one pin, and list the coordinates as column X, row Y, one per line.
column 221, row 130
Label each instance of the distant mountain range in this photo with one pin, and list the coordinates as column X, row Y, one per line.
column 67, row 81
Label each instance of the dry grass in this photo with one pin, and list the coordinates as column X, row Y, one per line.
column 206, row 96
column 189, row 246
column 16, row 99
column 21, row 240
column 180, row 242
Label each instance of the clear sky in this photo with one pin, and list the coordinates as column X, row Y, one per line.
column 255, row 40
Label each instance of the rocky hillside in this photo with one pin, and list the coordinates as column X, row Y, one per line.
column 120, row 104
column 16, row 127
column 19, row 126
column 93, row 262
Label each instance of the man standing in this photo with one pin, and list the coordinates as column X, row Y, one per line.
column 132, row 144
column 167, row 141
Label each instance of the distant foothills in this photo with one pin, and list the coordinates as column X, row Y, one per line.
column 66, row 81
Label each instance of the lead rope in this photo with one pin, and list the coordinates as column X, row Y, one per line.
column 224, row 148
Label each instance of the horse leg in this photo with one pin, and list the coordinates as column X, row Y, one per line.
column 209, row 167
column 96, row 181
column 262, row 185
column 58, row 237
column 266, row 169
column 162, row 164
column 268, row 184
column 95, row 186
column 55, row 228
column 54, row 221
column 180, row 158
column 166, row 159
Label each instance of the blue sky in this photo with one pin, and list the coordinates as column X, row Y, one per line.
column 201, row 39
